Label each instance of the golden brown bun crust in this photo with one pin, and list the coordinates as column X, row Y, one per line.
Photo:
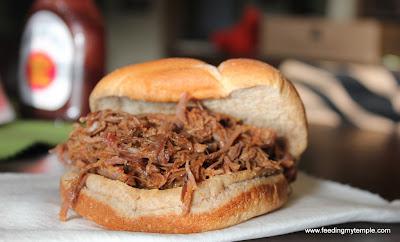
column 246, row 89
column 165, row 80
column 117, row 206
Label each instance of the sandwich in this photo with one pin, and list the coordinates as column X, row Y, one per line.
column 180, row 146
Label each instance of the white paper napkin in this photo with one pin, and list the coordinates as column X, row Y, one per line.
column 29, row 207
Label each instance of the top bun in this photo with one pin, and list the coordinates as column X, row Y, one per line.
column 250, row 90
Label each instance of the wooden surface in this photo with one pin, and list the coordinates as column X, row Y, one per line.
column 367, row 160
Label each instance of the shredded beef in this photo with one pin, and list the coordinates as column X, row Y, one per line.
column 159, row 151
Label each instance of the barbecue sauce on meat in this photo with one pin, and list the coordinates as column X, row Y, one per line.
column 161, row 151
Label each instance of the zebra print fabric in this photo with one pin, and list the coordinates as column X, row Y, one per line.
column 364, row 96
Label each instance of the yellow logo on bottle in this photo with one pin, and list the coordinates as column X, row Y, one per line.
column 40, row 70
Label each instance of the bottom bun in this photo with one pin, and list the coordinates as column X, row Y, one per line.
column 218, row 202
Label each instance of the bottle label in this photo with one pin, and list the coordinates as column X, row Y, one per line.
column 46, row 62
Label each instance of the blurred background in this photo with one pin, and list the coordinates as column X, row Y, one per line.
column 342, row 55
column 355, row 42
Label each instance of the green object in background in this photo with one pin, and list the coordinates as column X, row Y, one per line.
column 20, row 135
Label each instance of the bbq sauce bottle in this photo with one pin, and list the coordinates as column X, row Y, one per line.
column 61, row 59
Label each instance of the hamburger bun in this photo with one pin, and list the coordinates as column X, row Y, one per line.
column 250, row 90
column 246, row 89
column 218, row 202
